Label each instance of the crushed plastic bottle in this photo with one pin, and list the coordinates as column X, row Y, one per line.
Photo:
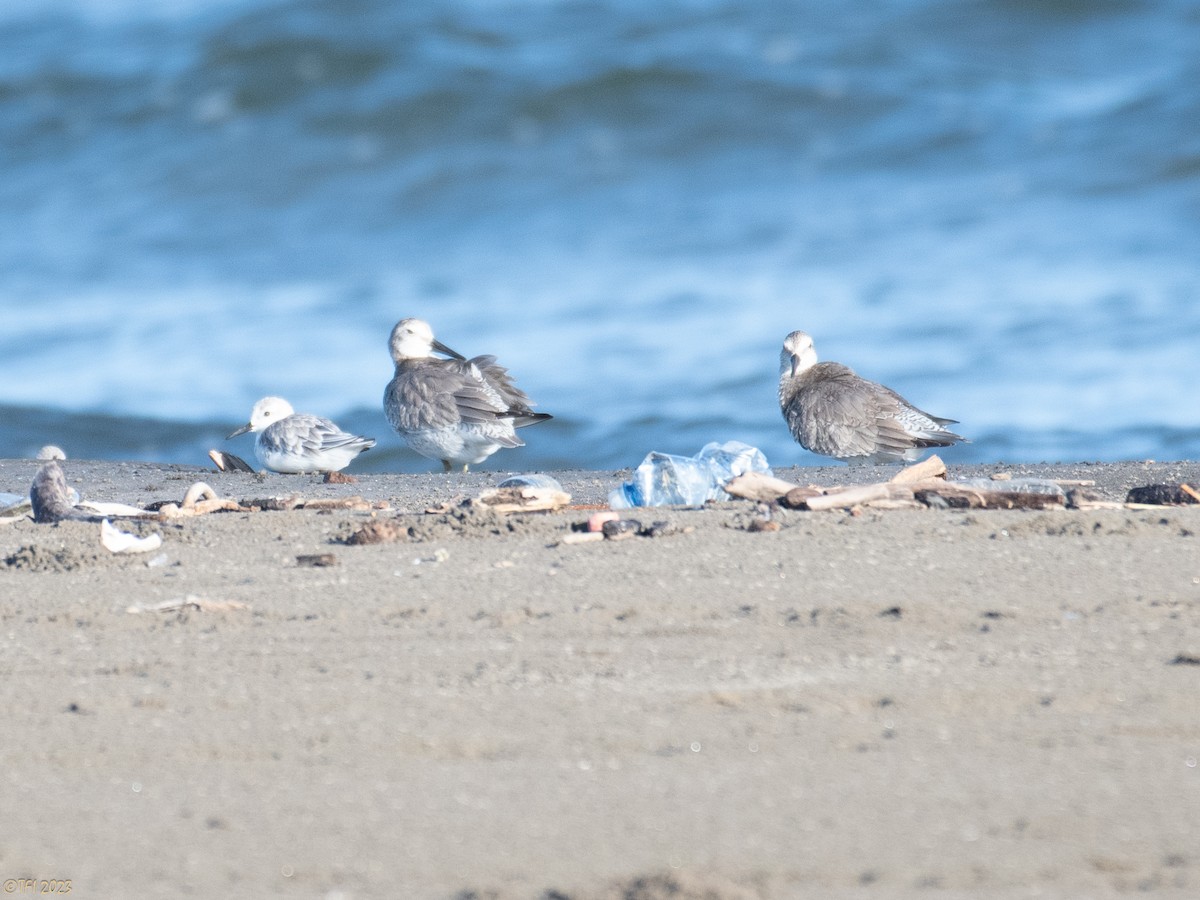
column 10, row 504
column 664, row 479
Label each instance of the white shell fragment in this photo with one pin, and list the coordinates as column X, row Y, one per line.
column 122, row 542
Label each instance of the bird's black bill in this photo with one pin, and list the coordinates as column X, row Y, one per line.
column 241, row 430
column 442, row 348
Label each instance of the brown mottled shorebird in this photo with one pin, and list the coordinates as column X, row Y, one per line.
column 832, row 411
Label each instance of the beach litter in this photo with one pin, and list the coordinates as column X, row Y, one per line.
column 118, row 541
column 921, row 485
column 609, row 526
column 13, row 507
column 525, row 493
column 191, row 601
column 532, row 480
column 664, row 479
column 1163, row 495
column 199, row 500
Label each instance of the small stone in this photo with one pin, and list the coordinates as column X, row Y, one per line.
column 757, row 525
column 379, row 533
column 620, row 529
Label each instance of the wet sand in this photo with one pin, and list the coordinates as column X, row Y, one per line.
column 900, row 703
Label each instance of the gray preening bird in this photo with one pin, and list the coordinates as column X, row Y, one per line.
column 832, row 411
column 297, row 443
column 458, row 410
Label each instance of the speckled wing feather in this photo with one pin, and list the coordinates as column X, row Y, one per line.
column 833, row 411
column 316, row 434
column 440, row 393
column 516, row 402
column 831, row 414
column 922, row 429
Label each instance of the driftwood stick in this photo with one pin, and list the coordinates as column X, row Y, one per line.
column 858, row 495
column 928, row 468
column 974, row 498
column 523, row 499
column 197, row 492
column 758, row 486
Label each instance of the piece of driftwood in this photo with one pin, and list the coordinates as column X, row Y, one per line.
column 1085, row 498
column 523, row 499
column 199, row 500
column 767, row 488
column 797, row 498
column 353, row 503
column 925, row 469
column 1163, row 495
column 928, row 492
column 921, row 484
column 582, row 537
column 191, row 601
column 955, row 497
column 758, row 486
column 113, row 510
column 273, row 504
column 896, row 503
column 859, row 495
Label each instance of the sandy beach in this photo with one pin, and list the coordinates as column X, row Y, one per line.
column 880, row 703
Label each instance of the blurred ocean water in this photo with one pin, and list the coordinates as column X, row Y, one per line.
column 993, row 207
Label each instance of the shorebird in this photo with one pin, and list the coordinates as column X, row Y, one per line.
column 832, row 411
column 52, row 499
column 297, row 443
column 458, row 410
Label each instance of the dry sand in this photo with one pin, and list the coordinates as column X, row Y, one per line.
column 891, row 704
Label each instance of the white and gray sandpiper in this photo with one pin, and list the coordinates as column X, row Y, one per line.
column 456, row 410
column 299, row 443
column 835, row 412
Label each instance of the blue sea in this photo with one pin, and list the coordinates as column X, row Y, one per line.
column 992, row 207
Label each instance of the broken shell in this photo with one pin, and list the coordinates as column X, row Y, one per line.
column 123, row 542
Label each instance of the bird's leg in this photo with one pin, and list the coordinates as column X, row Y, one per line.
column 446, row 467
